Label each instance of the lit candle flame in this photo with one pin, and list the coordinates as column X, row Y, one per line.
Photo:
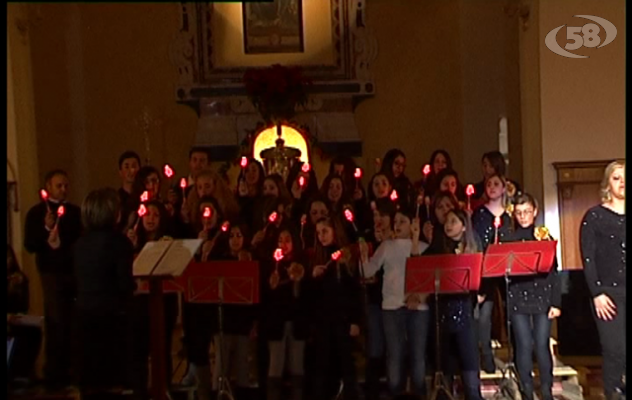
column 426, row 169
column 394, row 195
column 44, row 194
column 469, row 190
column 244, row 162
column 349, row 215
column 61, row 210
column 144, row 197
column 225, row 226
column 306, row 167
column 358, row 173
column 168, row 171
column 278, row 255
column 336, row 255
column 207, row 212
column 183, row 183
column 303, row 219
column 273, row 217
column 301, row 181
column 142, row 210
column 497, row 222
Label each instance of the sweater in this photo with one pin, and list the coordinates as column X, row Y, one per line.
column 602, row 240
column 392, row 256
column 533, row 294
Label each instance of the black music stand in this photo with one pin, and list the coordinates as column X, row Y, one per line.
column 445, row 274
column 222, row 282
column 516, row 259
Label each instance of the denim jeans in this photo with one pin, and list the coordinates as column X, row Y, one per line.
column 406, row 332
column 375, row 331
column 485, row 327
column 532, row 332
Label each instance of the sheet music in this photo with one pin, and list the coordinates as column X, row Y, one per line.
column 150, row 256
column 178, row 257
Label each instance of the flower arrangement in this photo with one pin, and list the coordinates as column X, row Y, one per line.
column 276, row 90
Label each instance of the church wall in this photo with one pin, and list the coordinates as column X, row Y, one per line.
column 96, row 66
column 582, row 100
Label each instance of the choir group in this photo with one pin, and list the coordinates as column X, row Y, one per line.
column 339, row 288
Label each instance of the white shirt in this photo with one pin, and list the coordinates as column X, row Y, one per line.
column 392, row 255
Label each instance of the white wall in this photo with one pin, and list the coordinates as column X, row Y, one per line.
column 582, row 101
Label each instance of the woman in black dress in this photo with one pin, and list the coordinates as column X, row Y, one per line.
column 602, row 239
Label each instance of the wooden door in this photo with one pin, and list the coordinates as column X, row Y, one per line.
column 578, row 190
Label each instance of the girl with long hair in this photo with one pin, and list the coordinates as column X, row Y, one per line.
column 285, row 315
column 483, row 220
column 337, row 309
column 394, row 164
column 458, row 328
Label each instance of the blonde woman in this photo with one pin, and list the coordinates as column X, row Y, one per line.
column 602, row 240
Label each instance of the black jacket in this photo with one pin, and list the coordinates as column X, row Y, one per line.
column 483, row 224
column 336, row 298
column 533, row 294
column 287, row 302
column 48, row 260
column 103, row 262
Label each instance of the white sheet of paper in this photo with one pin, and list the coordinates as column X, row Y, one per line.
column 150, row 255
column 178, row 257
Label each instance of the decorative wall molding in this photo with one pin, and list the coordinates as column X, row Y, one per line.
column 218, row 94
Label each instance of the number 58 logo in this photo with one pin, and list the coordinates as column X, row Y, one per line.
column 586, row 36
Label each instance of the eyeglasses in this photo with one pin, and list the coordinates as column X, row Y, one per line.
column 524, row 213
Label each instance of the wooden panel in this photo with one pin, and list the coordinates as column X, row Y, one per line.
column 578, row 190
column 574, row 200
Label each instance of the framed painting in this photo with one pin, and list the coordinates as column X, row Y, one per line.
column 273, row 27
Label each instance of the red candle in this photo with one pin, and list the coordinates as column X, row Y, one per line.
column 225, row 226
column 44, row 196
column 168, row 171
column 496, row 225
column 426, row 171
column 350, row 218
column 61, row 210
column 358, row 175
column 183, row 186
column 142, row 210
column 306, row 168
column 144, row 197
column 301, row 181
column 469, row 191
column 278, row 256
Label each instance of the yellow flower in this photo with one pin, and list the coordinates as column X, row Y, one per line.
column 541, row 233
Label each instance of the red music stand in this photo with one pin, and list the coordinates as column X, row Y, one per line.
column 516, row 259
column 445, row 274
column 221, row 282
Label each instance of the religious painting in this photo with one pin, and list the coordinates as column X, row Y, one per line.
column 273, row 27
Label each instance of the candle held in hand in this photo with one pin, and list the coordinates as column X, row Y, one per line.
column 168, row 171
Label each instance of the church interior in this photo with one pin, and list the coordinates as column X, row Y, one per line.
column 87, row 82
